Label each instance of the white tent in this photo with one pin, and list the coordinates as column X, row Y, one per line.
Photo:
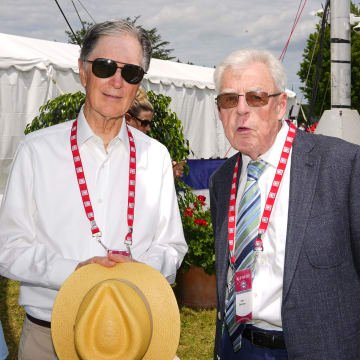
column 33, row 71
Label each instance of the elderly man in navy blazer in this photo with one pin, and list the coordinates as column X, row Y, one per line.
column 286, row 216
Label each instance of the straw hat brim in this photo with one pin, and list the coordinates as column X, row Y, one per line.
column 160, row 296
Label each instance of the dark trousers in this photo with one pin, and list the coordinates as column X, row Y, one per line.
column 249, row 351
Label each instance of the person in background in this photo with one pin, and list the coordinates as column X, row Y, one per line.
column 3, row 348
column 140, row 116
column 90, row 190
column 285, row 212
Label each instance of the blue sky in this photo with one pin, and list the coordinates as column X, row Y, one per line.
column 200, row 31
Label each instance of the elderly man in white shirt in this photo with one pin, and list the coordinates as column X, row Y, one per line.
column 92, row 190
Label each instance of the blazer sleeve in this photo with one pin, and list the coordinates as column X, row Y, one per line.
column 354, row 210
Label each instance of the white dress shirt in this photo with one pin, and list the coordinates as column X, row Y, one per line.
column 44, row 231
column 269, row 269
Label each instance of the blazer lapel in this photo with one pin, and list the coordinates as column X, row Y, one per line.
column 303, row 177
column 223, row 184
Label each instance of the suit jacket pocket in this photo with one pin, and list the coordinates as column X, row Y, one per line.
column 324, row 240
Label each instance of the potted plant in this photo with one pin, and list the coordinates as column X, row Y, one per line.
column 196, row 285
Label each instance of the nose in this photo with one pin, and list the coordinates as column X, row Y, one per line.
column 117, row 80
column 242, row 106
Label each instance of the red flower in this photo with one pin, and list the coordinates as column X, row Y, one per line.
column 312, row 129
column 200, row 222
column 188, row 213
column 189, row 208
column 201, row 199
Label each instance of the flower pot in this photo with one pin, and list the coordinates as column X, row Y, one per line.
column 196, row 289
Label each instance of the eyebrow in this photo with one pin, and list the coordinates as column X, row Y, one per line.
column 227, row 91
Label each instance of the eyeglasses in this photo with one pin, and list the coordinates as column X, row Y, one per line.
column 143, row 123
column 253, row 99
column 104, row 68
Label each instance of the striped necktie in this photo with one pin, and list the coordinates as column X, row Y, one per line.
column 247, row 225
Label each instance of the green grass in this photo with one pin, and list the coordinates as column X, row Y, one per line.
column 197, row 326
column 11, row 315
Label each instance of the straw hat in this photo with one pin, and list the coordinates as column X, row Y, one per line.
column 126, row 312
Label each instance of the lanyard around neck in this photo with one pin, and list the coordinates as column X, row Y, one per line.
column 264, row 222
column 79, row 170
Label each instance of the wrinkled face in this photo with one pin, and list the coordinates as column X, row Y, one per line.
column 137, row 124
column 110, row 97
column 251, row 130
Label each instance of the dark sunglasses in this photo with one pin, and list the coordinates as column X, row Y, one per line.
column 253, row 99
column 104, row 68
column 143, row 123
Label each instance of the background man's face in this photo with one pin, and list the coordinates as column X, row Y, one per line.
column 110, row 97
column 252, row 130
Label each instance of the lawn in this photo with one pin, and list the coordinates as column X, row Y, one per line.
column 197, row 326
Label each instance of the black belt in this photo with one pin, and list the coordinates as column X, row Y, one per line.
column 43, row 323
column 264, row 339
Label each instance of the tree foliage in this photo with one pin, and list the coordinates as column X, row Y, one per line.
column 80, row 34
column 323, row 99
column 62, row 108
column 160, row 50
column 159, row 46
column 167, row 128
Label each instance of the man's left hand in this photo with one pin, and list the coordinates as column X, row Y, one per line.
column 120, row 258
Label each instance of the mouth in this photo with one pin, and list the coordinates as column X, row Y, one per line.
column 243, row 129
column 110, row 96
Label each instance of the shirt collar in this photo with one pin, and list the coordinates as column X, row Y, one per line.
column 84, row 131
column 272, row 156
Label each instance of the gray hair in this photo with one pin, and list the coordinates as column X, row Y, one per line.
column 116, row 27
column 242, row 58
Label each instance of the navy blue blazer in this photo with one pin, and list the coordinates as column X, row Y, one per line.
column 321, row 287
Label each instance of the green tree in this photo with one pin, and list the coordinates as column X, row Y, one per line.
column 323, row 99
column 160, row 50
column 79, row 33
column 159, row 46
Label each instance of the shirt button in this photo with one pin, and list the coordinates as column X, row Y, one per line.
column 100, row 201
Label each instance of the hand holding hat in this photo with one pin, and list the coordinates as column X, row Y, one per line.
column 108, row 261
column 128, row 311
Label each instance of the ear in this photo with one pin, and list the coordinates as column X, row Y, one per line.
column 127, row 117
column 82, row 72
column 282, row 105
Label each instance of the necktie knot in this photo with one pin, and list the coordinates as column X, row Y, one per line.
column 255, row 169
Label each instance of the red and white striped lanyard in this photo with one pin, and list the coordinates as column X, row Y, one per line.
column 258, row 245
column 79, row 170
